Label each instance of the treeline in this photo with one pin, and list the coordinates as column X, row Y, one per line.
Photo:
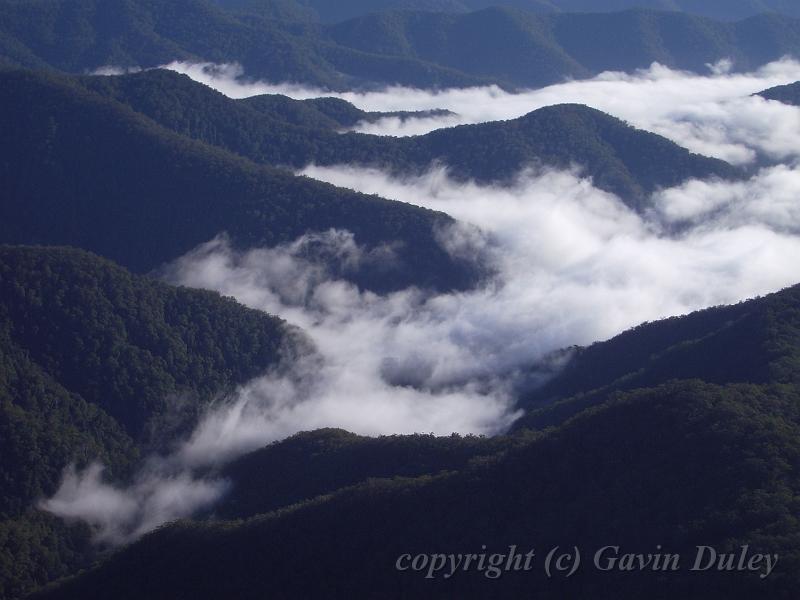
column 724, row 10
column 84, row 170
column 279, row 131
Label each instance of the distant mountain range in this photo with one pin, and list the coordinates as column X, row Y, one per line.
column 345, row 9
column 509, row 47
column 280, row 131
column 704, row 345
column 679, row 452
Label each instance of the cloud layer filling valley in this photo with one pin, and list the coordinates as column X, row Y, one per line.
column 574, row 265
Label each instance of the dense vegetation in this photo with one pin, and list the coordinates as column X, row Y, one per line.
column 79, row 36
column 507, row 46
column 752, row 342
column 671, row 435
column 178, row 102
column 346, row 9
column 99, row 364
column 679, row 465
column 788, row 94
column 280, row 131
column 315, row 463
column 669, row 460
column 80, row 169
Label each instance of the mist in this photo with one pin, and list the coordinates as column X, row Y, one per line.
column 713, row 114
column 573, row 265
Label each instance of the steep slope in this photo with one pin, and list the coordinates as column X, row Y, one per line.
column 327, row 113
column 788, row 94
column 83, row 35
column 330, row 12
column 285, row 10
column 753, row 342
column 664, row 468
column 83, row 170
column 94, row 363
column 191, row 108
column 99, row 330
column 613, row 476
column 511, row 47
column 621, row 159
column 315, row 463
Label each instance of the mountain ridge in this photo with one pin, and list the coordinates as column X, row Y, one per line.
column 608, row 472
column 505, row 46
column 158, row 195
column 623, row 160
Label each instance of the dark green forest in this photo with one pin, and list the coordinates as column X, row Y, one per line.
column 670, row 451
column 345, row 9
column 507, row 46
column 279, row 131
column 757, row 342
column 83, row 170
column 100, row 364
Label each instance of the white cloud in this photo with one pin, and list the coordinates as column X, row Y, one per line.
column 712, row 114
column 119, row 515
column 574, row 265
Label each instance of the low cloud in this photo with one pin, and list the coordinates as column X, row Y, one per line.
column 769, row 199
column 713, row 114
column 120, row 515
column 574, row 265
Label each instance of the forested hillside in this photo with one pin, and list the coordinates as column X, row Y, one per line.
column 667, row 466
column 94, row 363
column 83, row 170
column 506, row 46
column 178, row 102
column 788, row 94
column 85, row 35
column 531, row 50
column 275, row 130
